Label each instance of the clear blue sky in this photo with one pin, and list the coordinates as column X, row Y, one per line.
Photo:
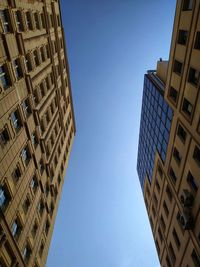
column 102, row 221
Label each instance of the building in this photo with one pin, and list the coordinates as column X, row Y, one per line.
column 169, row 143
column 37, row 127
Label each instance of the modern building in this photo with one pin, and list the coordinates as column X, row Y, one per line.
column 37, row 127
column 169, row 143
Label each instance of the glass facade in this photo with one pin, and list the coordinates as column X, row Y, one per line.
column 155, row 124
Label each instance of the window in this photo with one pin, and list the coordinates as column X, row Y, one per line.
column 51, row 208
column 187, row 107
column 43, row 21
column 181, row 133
column 182, row 37
column 195, row 258
column 26, row 253
column 42, row 52
column 26, row 205
column 17, row 68
column 34, row 229
column 29, row 20
column 16, row 228
column 192, row 182
column 187, row 5
column 47, row 189
column 193, row 76
column 177, row 155
column 4, row 197
column 157, row 186
column 18, row 18
column 59, row 179
column 26, row 107
column 41, row 249
column 16, row 173
column 162, row 223
column 197, row 41
column 173, row 94
column 160, row 171
column 165, row 209
column 160, row 235
column 157, row 246
column 168, row 262
column 41, row 207
column 41, row 166
column 4, row 77
column 36, row 58
column 28, row 63
column 34, row 183
column 178, row 67
column 37, row 22
column 47, row 227
column 34, row 139
column 172, row 254
column 172, row 175
column 169, row 193
column 16, row 120
column 176, row 238
column 5, row 19
column 58, row 20
column 196, row 155
column 26, row 156
column 4, row 136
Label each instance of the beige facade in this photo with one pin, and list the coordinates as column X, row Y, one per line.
column 173, row 197
column 37, row 127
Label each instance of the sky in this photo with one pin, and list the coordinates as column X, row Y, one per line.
column 102, row 220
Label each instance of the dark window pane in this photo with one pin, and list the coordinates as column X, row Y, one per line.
column 177, row 67
column 182, row 37
column 193, row 76
column 187, row 107
column 197, row 41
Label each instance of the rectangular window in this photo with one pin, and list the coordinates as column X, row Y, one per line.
column 193, row 76
column 17, row 68
column 26, row 156
column 196, row 155
column 197, row 41
column 172, row 254
column 176, row 238
column 4, row 136
column 26, row 253
column 5, row 19
column 36, row 58
column 16, row 120
column 43, row 21
column 4, row 77
column 29, row 20
column 34, row 184
column 177, row 155
column 181, row 133
column 187, row 5
column 172, row 175
column 34, row 229
column 16, row 174
column 16, row 228
column 37, row 23
column 182, row 37
column 26, row 205
column 162, row 223
column 18, row 18
column 187, row 107
column 160, row 235
column 173, row 94
column 165, row 209
column 4, row 197
column 195, row 258
column 168, row 262
column 169, row 193
column 192, row 182
column 157, row 186
column 28, row 63
column 177, row 67
column 26, row 107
